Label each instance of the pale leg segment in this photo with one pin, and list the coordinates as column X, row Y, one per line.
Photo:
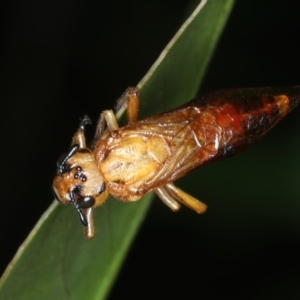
column 128, row 101
column 78, row 137
column 89, row 231
column 167, row 199
column 170, row 195
column 186, row 199
column 99, row 130
column 111, row 120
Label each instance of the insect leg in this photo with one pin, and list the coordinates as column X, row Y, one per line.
column 133, row 104
column 185, row 198
column 109, row 118
column 89, row 230
column 99, row 130
column 167, row 199
column 130, row 100
column 79, row 137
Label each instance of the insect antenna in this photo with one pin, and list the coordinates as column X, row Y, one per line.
column 62, row 160
column 81, row 216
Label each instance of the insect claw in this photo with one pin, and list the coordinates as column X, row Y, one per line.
column 83, row 122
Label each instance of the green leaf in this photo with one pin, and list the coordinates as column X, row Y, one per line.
column 56, row 261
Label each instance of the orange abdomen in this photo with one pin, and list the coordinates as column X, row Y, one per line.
column 243, row 116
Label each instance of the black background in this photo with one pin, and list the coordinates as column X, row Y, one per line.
column 60, row 60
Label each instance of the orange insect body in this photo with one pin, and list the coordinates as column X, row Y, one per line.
column 150, row 154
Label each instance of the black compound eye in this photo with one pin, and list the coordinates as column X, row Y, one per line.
column 85, row 202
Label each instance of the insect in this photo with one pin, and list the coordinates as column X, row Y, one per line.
column 150, row 154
